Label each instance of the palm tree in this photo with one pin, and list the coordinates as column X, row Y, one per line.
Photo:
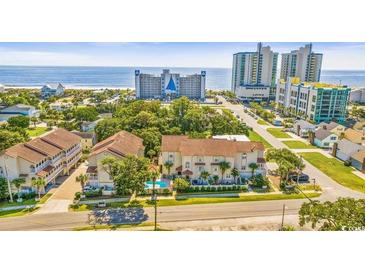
column 34, row 120
column 168, row 165
column 224, row 166
column 235, row 173
column 18, row 183
column 38, row 183
column 82, row 179
column 154, row 174
column 253, row 167
column 204, row 175
column 215, row 178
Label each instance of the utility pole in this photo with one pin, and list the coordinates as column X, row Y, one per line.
column 282, row 218
column 8, row 181
column 314, row 184
column 154, row 198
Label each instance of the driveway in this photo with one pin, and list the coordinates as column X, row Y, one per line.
column 63, row 195
column 331, row 189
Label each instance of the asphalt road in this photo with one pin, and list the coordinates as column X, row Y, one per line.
column 69, row 220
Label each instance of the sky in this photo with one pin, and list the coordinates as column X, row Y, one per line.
column 337, row 56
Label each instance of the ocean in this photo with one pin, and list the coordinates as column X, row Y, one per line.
column 118, row 77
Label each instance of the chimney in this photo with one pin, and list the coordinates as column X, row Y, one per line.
column 334, row 149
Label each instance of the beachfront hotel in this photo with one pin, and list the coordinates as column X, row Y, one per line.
column 45, row 157
column 254, row 73
column 190, row 157
column 318, row 102
column 117, row 146
column 169, row 85
column 302, row 63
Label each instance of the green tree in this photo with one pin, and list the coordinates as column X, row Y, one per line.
column 129, row 174
column 168, row 165
column 224, row 166
column 253, row 167
column 204, row 175
column 19, row 121
column 10, row 138
column 86, row 114
column 82, row 179
column 215, row 178
column 18, row 183
column 235, row 173
column 34, row 120
column 287, row 161
column 4, row 191
column 107, row 127
column 39, row 184
column 343, row 214
column 181, row 184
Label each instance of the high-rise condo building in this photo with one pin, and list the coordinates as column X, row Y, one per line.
column 303, row 63
column 254, row 73
column 318, row 102
column 169, row 85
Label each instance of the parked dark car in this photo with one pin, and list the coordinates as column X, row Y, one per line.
column 303, row 178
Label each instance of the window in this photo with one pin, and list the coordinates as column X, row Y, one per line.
column 201, row 168
column 187, row 164
column 243, row 167
column 326, row 144
column 216, row 159
column 215, row 169
column 333, row 138
column 244, row 156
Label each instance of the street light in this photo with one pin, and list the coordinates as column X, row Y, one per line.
column 154, row 199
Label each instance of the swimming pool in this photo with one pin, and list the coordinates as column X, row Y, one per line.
column 158, row 184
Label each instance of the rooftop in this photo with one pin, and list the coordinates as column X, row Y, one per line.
column 317, row 85
column 207, row 147
column 121, row 143
column 41, row 148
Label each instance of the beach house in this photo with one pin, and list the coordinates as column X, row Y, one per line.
column 50, row 90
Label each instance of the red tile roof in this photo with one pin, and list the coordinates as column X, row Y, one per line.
column 207, row 147
column 122, row 143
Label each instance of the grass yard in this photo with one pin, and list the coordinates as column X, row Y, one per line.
column 213, row 200
column 25, row 202
column 16, row 212
column 298, row 145
column 34, row 132
column 278, row 132
column 262, row 122
column 336, row 170
column 253, row 136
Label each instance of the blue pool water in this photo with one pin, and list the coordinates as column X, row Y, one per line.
column 158, row 184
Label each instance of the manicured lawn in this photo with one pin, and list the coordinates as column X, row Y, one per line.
column 15, row 213
column 262, row 122
column 25, row 202
column 278, row 133
column 34, row 132
column 253, row 136
column 298, row 144
column 336, row 170
column 213, row 200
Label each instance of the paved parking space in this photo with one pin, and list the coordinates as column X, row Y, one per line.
column 63, row 195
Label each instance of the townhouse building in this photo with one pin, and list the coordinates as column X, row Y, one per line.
column 47, row 157
column 117, row 146
column 190, row 157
